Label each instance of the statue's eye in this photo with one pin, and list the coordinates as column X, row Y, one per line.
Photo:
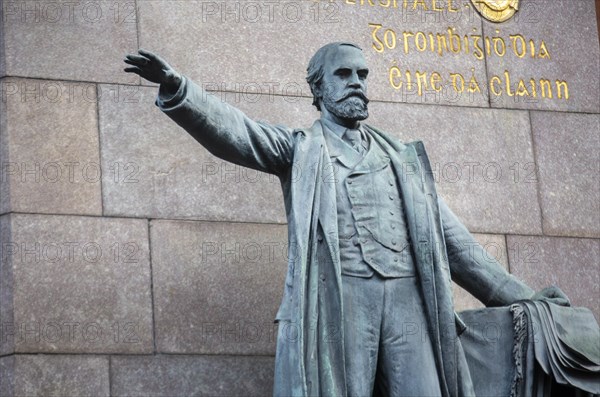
column 343, row 72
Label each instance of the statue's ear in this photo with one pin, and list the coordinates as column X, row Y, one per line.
column 317, row 90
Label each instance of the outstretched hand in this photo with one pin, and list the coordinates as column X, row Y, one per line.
column 552, row 294
column 153, row 68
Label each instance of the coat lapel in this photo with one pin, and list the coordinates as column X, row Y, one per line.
column 304, row 175
column 313, row 192
column 328, row 203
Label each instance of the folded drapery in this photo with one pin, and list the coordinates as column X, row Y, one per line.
column 533, row 348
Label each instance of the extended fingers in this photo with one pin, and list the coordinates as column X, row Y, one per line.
column 133, row 69
column 153, row 57
column 149, row 55
column 136, row 60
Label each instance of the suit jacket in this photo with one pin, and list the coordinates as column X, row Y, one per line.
column 310, row 348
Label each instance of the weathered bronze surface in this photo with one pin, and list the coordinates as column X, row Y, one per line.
column 367, row 306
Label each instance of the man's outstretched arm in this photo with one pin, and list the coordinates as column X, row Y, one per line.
column 476, row 271
column 222, row 129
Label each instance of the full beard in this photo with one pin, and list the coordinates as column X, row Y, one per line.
column 352, row 108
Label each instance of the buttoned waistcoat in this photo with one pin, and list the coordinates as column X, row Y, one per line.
column 372, row 230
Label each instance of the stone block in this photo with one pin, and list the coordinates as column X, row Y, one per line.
column 495, row 245
column 4, row 191
column 569, row 263
column 6, row 287
column 217, row 286
column 171, row 375
column 550, row 40
column 233, row 41
column 7, row 372
column 80, row 284
column 2, row 51
column 82, row 41
column 482, row 161
column 50, row 159
column 567, row 148
column 153, row 168
column 60, row 376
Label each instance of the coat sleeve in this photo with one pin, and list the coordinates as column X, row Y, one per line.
column 227, row 132
column 474, row 269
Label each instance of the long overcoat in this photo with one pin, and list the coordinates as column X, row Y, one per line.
column 310, row 346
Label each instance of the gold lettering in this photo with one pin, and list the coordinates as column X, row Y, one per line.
column 434, row 6
column 560, row 86
column 533, row 88
column 502, row 50
column 546, row 88
column 421, row 41
column 435, row 80
column 386, row 3
column 350, row 1
column 532, row 48
column 488, row 47
column 406, row 35
column 431, row 42
column 544, row 51
column 377, row 43
column 421, row 81
column 508, row 90
column 453, row 37
column 422, row 3
column 455, row 77
column 408, row 81
column 478, row 52
column 466, row 44
column 442, row 44
column 473, row 83
column 450, row 6
column 521, row 49
column 395, row 76
column 493, row 86
column 522, row 89
column 389, row 38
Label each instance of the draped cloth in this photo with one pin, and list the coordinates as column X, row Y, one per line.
column 533, row 348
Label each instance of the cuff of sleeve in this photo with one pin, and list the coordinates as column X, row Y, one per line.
column 511, row 291
column 166, row 102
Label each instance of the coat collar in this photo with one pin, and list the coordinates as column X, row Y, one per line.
column 340, row 150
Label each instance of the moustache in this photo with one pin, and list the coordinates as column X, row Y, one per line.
column 358, row 94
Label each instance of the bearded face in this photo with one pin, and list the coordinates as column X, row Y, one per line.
column 351, row 104
column 343, row 88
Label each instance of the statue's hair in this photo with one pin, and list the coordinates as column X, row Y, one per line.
column 315, row 70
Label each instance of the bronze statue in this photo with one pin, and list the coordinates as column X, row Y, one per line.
column 374, row 248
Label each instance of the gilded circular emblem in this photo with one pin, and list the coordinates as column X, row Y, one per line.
column 496, row 10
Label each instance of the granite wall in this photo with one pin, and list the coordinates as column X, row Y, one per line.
column 134, row 263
